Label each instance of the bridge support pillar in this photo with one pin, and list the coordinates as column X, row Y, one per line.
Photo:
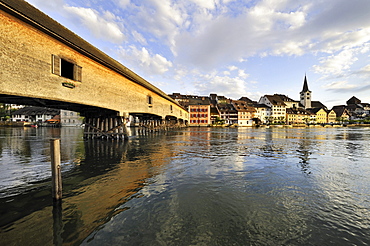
column 113, row 127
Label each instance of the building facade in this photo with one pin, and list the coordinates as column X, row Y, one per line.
column 199, row 112
column 70, row 118
column 298, row 116
column 245, row 113
column 277, row 108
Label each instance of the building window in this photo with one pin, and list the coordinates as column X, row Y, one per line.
column 66, row 69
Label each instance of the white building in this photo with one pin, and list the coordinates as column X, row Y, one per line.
column 277, row 107
column 262, row 112
column 34, row 114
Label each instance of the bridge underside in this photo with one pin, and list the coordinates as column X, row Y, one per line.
column 84, row 110
column 100, row 122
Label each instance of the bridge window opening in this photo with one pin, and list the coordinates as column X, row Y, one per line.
column 150, row 100
column 66, row 69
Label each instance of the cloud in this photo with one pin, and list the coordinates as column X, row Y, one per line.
column 340, row 16
column 278, row 28
column 101, row 26
column 223, row 83
column 261, row 28
column 363, row 72
column 207, row 4
column 336, row 64
column 138, row 37
column 160, row 18
column 122, row 3
column 242, row 74
column 231, row 87
column 142, row 59
column 345, row 87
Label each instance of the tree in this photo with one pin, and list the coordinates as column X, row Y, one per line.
column 340, row 119
column 281, row 119
column 4, row 110
column 269, row 119
column 219, row 121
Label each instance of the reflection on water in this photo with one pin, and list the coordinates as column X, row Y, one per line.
column 198, row 186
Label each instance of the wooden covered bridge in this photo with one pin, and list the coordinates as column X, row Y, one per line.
column 42, row 63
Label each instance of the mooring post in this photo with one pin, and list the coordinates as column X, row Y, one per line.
column 56, row 173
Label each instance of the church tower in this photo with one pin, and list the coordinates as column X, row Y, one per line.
column 305, row 95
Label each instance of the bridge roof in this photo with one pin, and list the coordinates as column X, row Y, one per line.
column 43, row 22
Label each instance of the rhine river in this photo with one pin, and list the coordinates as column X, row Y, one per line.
column 196, row 186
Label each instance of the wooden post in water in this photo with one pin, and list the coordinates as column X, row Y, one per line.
column 56, row 174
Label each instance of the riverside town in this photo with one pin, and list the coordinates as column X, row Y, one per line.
column 277, row 109
column 217, row 110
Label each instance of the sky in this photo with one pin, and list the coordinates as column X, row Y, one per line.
column 234, row 48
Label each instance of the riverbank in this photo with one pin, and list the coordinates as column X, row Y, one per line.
column 296, row 125
column 26, row 124
column 11, row 124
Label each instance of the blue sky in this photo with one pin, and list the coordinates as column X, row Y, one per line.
column 233, row 48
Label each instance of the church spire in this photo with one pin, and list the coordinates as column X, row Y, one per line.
column 305, row 94
column 305, row 85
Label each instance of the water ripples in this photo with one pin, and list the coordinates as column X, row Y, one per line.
column 220, row 186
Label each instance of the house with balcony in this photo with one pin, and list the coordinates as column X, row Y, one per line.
column 227, row 112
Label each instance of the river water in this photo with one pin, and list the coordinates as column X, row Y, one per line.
column 196, row 186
